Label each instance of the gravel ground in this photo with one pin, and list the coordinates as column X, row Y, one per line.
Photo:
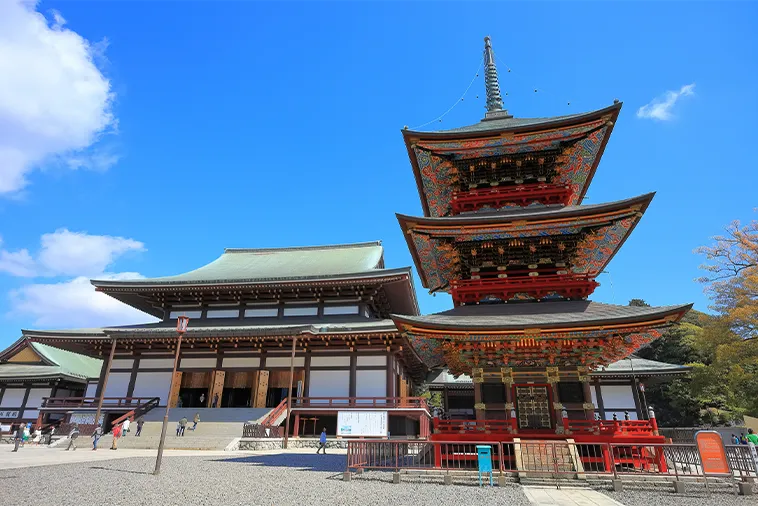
column 301, row 479
column 695, row 496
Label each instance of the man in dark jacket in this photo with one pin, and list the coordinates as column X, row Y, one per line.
column 140, row 423
column 18, row 437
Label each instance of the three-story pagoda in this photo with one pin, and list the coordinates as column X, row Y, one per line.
column 504, row 233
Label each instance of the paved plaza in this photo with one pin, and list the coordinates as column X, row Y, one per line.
column 45, row 476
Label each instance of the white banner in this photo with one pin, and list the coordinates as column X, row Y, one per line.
column 362, row 423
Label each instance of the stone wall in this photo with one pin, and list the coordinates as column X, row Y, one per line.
column 252, row 444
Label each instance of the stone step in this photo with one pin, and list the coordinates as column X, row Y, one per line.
column 152, row 442
column 227, row 415
column 211, row 429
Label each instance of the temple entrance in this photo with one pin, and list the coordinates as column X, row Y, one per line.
column 194, row 390
column 533, row 407
column 236, row 397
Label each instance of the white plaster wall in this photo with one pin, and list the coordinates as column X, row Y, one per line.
column 617, row 397
column 284, row 361
column 198, row 363
column 241, row 362
column 330, row 361
column 13, row 397
column 91, row 390
column 156, row 363
column 118, row 384
column 153, row 384
column 329, row 384
column 371, row 384
column 372, row 361
column 30, row 413
column 122, row 363
column 35, row 397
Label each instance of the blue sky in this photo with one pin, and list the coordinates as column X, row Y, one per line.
column 156, row 134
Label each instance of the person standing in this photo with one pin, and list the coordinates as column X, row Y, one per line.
column 182, row 425
column 72, row 437
column 322, row 442
column 214, row 404
column 116, row 435
column 125, row 427
column 751, row 437
column 96, row 436
column 195, row 421
column 202, row 400
column 140, row 423
column 18, row 437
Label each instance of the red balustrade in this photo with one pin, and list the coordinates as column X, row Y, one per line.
column 501, row 196
column 571, row 286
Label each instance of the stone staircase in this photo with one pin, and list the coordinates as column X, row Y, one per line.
column 545, row 459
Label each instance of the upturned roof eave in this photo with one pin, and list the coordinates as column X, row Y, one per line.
column 666, row 311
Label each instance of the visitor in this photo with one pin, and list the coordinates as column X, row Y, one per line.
column 96, row 436
column 322, row 442
column 127, row 423
column 72, row 437
column 182, row 425
column 37, row 436
column 18, row 438
column 743, row 440
column 195, row 421
column 179, row 402
column 735, row 439
column 752, row 437
column 116, row 435
column 215, row 401
column 140, row 423
column 202, row 400
column 26, row 433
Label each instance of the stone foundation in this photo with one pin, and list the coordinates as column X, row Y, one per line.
column 254, row 444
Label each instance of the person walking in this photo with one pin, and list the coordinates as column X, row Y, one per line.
column 735, row 439
column 752, row 437
column 182, row 425
column 125, row 427
column 195, row 421
column 214, row 404
column 96, row 436
column 116, row 435
column 322, row 442
column 73, row 436
column 202, row 400
column 18, row 438
column 140, row 423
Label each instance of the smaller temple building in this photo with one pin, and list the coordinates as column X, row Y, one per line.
column 31, row 372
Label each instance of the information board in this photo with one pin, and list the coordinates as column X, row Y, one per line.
column 361, row 423
column 712, row 453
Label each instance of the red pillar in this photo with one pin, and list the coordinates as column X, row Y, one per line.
column 296, row 429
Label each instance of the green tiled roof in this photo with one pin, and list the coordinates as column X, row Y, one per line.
column 256, row 265
column 57, row 363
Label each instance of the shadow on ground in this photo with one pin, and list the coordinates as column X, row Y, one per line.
column 102, row 468
column 325, row 463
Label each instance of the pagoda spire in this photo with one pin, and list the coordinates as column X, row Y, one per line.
column 494, row 99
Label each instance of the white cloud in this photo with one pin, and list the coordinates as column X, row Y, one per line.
column 54, row 101
column 660, row 107
column 66, row 253
column 74, row 303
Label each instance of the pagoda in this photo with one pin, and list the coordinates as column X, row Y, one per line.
column 505, row 233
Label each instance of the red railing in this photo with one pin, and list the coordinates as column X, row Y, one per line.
column 360, row 402
column 556, row 458
column 55, row 403
column 274, row 414
column 466, row 426
column 566, row 285
column 523, row 195
column 599, row 427
column 138, row 411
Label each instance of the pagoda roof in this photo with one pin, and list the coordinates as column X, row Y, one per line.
column 265, row 265
column 542, row 315
column 513, row 124
column 584, row 135
column 615, row 220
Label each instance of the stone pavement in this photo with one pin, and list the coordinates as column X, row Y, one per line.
column 565, row 496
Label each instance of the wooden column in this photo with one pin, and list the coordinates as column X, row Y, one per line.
column 353, row 374
column 589, row 406
column 641, row 415
column 477, row 375
column 104, row 381
column 173, row 393
column 133, row 377
column 600, row 405
column 553, row 378
column 261, row 389
column 217, row 387
column 307, row 373
column 507, row 376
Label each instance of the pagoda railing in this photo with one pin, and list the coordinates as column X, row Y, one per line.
column 572, row 286
column 500, row 196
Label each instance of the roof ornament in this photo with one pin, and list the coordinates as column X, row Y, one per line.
column 494, row 99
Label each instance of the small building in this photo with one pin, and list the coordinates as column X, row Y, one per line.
column 31, row 372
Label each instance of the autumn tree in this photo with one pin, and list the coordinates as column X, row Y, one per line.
column 732, row 282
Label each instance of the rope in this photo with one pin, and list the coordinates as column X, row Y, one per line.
column 439, row 118
column 510, row 71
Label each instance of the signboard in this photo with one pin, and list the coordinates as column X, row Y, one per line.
column 8, row 414
column 712, row 453
column 362, row 423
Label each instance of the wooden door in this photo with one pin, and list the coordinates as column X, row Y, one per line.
column 533, row 407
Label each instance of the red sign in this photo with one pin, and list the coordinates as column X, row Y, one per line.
column 712, row 453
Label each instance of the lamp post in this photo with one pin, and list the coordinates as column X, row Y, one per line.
column 181, row 327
